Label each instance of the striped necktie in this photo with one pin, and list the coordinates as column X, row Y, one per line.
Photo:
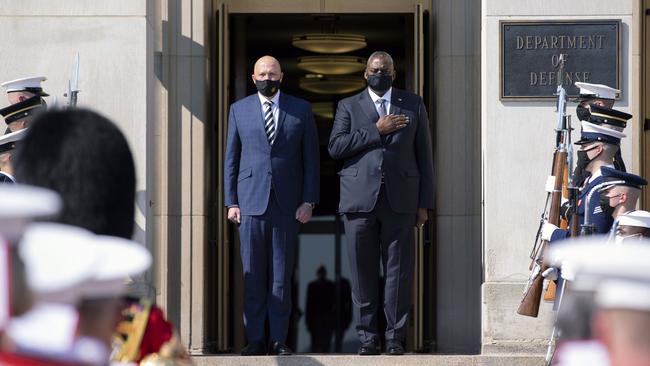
column 269, row 124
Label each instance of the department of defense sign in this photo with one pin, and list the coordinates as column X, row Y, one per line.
column 530, row 52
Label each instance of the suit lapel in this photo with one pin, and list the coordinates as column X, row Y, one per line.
column 368, row 106
column 258, row 119
column 282, row 109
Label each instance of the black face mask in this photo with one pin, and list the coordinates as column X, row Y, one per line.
column 267, row 87
column 380, row 83
column 580, row 174
column 604, row 205
column 583, row 113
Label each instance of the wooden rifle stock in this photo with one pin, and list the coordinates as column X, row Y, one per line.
column 529, row 305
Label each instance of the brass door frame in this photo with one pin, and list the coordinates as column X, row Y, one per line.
column 645, row 100
column 224, row 245
column 418, row 277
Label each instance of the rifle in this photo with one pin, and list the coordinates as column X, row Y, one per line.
column 529, row 305
column 73, row 84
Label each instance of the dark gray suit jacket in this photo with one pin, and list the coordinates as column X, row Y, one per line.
column 404, row 157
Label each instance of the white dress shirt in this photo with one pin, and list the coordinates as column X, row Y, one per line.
column 385, row 97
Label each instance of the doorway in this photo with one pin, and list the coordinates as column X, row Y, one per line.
column 246, row 38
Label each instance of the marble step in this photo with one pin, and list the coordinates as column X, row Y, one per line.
column 354, row 360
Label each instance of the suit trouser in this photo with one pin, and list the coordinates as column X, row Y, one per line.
column 385, row 235
column 268, row 246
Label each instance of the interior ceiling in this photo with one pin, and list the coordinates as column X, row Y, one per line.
column 272, row 34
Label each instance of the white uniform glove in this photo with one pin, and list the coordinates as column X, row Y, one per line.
column 548, row 230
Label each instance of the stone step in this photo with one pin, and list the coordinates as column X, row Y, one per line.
column 354, row 360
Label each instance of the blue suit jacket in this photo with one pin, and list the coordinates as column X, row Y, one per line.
column 252, row 165
column 601, row 221
column 4, row 178
column 404, row 157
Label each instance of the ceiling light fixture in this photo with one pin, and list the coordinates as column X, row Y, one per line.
column 332, row 65
column 340, row 84
column 329, row 43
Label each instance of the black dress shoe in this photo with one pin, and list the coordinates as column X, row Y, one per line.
column 279, row 349
column 368, row 349
column 394, row 348
column 254, row 349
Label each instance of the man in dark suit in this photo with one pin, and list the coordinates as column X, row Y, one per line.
column 320, row 311
column 271, row 183
column 387, row 187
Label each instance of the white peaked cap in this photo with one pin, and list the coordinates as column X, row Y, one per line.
column 11, row 138
column 59, row 260
column 598, row 90
column 21, row 203
column 119, row 259
column 66, row 264
column 624, row 294
column 593, row 259
column 637, row 218
column 47, row 329
column 24, row 84
column 588, row 127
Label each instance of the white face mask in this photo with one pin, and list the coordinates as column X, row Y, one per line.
column 620, row 239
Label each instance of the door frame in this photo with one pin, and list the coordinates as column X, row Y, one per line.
column 225, row 330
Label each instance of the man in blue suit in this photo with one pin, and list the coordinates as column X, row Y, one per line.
column 271, row 182
column 387, row 186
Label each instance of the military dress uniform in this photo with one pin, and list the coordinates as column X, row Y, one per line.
column 624, row 179
column 8, row 143
column 18, row 205
column 617, row 278
column 98, row 270
column 601, row 221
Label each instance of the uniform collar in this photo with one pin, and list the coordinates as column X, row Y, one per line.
column 598, row 173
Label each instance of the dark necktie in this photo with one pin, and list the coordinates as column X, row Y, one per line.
column 269, row 125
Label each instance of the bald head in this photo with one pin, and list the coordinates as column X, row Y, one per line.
column 267, row 67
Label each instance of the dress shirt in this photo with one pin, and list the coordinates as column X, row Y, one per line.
column 385, row 97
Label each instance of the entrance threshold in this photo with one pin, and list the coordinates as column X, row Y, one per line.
column 354, row 360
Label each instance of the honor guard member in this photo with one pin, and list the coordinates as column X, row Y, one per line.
column 18, row 205
column 20, row 90
column 593, row 96
column 7, row 145
column 54, row 331
column 599, row 268
column 619, row 198
column 598, row 145
column 18, row 116
column 633, row 225
column 596, row 94
column 614, row 119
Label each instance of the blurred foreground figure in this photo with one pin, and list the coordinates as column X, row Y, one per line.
column 86, row 159
column 615, row 329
